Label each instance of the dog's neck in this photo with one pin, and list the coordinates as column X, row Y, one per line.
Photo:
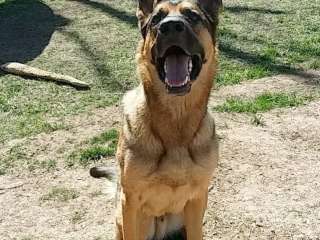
column 176, row 120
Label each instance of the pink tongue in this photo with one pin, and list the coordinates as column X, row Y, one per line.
column 177, row 69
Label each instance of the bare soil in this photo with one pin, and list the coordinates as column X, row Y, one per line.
column 266, row 187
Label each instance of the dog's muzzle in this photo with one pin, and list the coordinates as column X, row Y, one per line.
column 178, row 54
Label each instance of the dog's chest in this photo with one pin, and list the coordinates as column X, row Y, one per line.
column 174, row 181
column 160, row 199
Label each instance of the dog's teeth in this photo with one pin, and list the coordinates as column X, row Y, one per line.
column 165, row 67
column 186, row 80
column 190, row 66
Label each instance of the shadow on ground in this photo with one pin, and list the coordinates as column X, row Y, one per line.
column 243, row 9
column 113, row 12
column 96, row 58
column 255, row 59
column 268, row 63
column 26, row 29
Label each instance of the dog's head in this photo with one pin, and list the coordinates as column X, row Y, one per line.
column 178, row 38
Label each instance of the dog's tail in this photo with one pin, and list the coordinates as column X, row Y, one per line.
column 104, row 172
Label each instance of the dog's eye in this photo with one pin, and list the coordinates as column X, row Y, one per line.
column 157, row 18
column 192, row 16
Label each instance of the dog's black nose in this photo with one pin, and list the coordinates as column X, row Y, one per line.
column 171, row 26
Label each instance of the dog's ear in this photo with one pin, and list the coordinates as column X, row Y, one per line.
column 211, row 7
column 145, row 8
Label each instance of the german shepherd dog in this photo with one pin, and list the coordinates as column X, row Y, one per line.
column 168, row 149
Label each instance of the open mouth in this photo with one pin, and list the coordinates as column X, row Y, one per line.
column 177, row 69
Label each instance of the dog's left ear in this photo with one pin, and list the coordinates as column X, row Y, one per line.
column 211, row 7
column 145, row 8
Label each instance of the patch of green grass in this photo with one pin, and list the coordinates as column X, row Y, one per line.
column 60, row 194
column 238, row 73
column 309, row 46
column 101, row 146
column 34, row 125
column 262, row 103
column 95, row 153
column 110, row 135
column 87, row 155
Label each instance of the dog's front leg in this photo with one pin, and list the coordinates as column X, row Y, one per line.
column 193, row 217
column 135, row 224
column 129, row 217
column 145, row 224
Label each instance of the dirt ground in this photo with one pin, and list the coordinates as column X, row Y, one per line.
column 267, row 184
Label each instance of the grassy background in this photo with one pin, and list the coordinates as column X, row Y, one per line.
column 263, row 102
column 95, row 41
column 259, row 38
column 103, row 145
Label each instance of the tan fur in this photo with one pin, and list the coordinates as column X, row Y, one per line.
column 167, row 152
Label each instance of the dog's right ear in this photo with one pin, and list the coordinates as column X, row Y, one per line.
column 145, row 8
column 211, row 7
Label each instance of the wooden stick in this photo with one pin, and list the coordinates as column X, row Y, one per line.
column 15, row 185
column 27, row 71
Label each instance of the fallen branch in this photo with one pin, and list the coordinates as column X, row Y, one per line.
column 12, row 186
column 27, row 71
